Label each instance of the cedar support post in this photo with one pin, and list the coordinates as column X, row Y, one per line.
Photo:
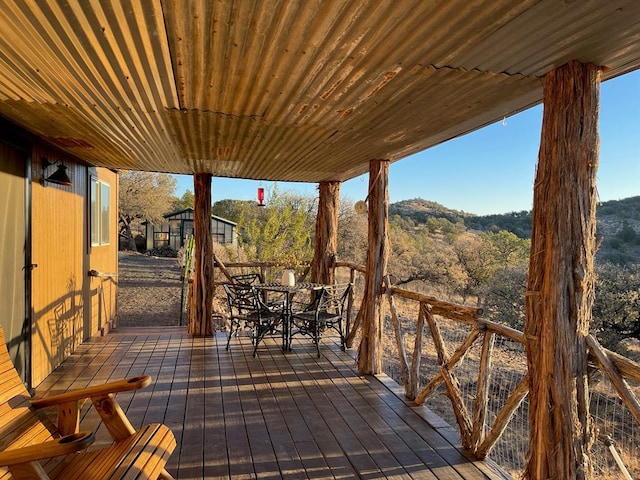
column 326, row 241
column 202, row 288
column 370, row 351
column 560, row 289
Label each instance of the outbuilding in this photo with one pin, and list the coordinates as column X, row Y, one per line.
column 177, row 227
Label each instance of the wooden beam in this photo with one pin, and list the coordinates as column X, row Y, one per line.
column 326, row 239
column 202, row 287
column 370, row 351
column 560, row 287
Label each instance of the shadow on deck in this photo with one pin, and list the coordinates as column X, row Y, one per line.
column 275, row 416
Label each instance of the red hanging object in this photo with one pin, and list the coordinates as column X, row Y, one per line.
column 260, row 197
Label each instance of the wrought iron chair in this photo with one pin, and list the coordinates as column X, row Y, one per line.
column 247, row 310
column 273, row 301
column 326, row 311
column 248, row 278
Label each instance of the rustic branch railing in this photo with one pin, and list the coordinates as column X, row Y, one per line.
column 473, row 425
column 470, row 411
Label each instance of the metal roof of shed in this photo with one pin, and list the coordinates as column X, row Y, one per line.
column 179, row 215
column 289, row 90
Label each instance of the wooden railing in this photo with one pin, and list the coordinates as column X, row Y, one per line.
column 475, row 433
column 470, row 424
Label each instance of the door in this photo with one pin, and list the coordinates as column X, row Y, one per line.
column 14, row 257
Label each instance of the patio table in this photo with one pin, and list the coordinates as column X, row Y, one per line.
column 288, row 292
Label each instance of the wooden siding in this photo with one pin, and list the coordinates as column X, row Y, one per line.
column 12, row 253
column 103, row 260
column 67, row 304
column 58, row 239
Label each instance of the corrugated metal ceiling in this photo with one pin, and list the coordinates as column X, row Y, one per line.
column 295, row 90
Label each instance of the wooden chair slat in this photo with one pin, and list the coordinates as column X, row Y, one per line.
column 134, row 454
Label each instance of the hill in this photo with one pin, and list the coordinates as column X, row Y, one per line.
column 618, row 224
column 619, row 229
column 420, row 211
column 518, row 223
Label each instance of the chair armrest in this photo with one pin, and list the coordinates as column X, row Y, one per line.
column 52, row 448
column 133, row 383
column 298, row 307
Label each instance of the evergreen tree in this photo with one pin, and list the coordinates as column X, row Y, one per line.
column 188, row 200
column 282, row 230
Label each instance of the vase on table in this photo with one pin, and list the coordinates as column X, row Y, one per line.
column 288, row 277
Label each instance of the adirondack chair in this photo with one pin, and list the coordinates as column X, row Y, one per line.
column 33, row 447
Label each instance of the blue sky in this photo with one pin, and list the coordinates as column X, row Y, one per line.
column 491, row 170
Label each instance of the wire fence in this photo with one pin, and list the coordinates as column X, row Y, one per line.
column 616, row 450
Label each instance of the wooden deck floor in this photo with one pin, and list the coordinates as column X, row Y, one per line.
column 275, row 416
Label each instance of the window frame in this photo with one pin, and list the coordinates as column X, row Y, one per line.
column 99, row 212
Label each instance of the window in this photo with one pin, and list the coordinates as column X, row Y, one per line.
column 100, row 212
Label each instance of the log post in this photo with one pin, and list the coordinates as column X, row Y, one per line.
column 202, row 289
column 370, row 350
column 560, row 285
column 326, row 239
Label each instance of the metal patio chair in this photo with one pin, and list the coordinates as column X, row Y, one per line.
column 248, row 278
column 247, row 310
column 326, row 311
column 274, row 302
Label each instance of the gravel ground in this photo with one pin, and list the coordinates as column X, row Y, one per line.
column 149, row 291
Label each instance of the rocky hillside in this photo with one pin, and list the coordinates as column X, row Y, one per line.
column 420, row 211
column 618, row 224
column 619, row 229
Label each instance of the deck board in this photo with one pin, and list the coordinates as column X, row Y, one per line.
column 278, row 415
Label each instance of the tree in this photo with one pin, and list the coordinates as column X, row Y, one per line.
column 282, row 230
column 232, row 209
column 352, row 233
column 616, row 310
column 485, row 256
column 186, row 201
column 476, row 257
column 508, row 249
column 504, row 302
column 505, row 288
column 418, row 255
column 143, row 195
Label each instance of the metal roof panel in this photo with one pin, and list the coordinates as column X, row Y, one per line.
column 288, row 90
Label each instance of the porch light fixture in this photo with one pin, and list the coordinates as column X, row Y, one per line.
column 58, row 177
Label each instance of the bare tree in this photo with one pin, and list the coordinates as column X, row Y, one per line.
column 143, row 195
column 352, row 233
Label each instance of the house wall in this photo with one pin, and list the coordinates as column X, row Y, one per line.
column 68, row 305
column 58, row 242
column 13, row 255
column 103, row 263
column 50, row 301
